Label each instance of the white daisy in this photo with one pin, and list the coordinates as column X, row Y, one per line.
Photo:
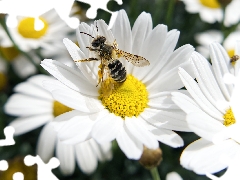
column 210, row 36
column 211, row 11
column 35, row 107
column 209, row 111
column 51, row 31
column 21, row 65
column 139, row 111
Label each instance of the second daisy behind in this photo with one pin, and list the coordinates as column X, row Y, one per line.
column 138, row 112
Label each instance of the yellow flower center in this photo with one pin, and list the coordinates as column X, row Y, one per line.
column 229, row 118
column 59, row 108
column 3, row 81
column 214, row 4
column 231, row 52
column 9, row 53
column 27, row 30
column 129, row 98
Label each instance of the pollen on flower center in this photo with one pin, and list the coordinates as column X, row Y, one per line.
column 129, row 98
column 214, row 4
column 59, row 108
column 27, row 30
column 229, row 118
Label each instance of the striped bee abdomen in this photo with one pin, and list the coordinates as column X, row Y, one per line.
column 117, row 71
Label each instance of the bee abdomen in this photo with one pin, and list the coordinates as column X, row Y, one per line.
column 117, row 71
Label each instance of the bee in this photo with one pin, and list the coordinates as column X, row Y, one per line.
column 234, row 58
column 108, row 55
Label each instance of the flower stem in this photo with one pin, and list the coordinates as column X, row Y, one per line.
column 169, row 15
column 154, row 173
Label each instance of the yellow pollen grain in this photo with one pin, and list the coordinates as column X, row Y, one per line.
column 26, row 28
column 214, row 4
column 129, row 98
column 229, row 118
column 59, row 108
column 3, row 81
column 9, row 53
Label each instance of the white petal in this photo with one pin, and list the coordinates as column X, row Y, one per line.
column 206, row 80
column 76, row 126
column 86, row 158
column 186, row 103
column 24, row 105
column 65, row 154
column 198, row 96
column 70, row 77
column 142, row 26
column 204, row 157
column 33, row 90
column 122, row 32
column 77, row 101
column 221, row 66
column 26, row 124
column 161, row 100
column 151, row 54
column 137, row 129
column 172, row 120
column 77, row 54
column 168, row 137
column 169, row 81
column 178, row 57
column 102, row 151
column 131, row 147
column 106, row 129
column 46, row 143
column 68, row 115
column 203, row 125
column 104, row 31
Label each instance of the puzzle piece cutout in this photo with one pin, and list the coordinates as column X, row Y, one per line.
column 3, row 165
column 18, row 176
column 8, row 141
column 44, row 170
column 97, row 4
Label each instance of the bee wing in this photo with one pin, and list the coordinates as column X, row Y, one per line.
column 136, row 60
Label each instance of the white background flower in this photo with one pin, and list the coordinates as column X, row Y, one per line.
column 21, row 65
column 35, row 107
column 205, row 112
column 53, row 30
column 206, row 38
column 211, row 11
column 157, row 121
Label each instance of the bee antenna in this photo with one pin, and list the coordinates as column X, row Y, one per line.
column 87, row 34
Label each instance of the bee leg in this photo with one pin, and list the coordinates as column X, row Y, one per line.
column 84, row 60
column 92, row 49
column 100, row 74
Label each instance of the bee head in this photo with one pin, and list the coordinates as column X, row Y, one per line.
column 98, row 41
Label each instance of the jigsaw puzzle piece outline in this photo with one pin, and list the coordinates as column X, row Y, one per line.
column 44, row 171
column 8, row 132
column 97, row 4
